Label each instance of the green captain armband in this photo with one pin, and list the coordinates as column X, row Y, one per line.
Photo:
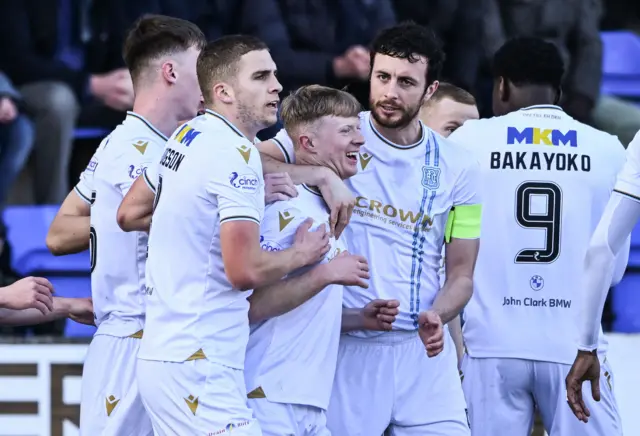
column 463, row 222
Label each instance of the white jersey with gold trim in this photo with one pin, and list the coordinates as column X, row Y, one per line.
column 546, row 179
column 404, row 196
column 284, row 350
column 209, row 174
column 118, row 258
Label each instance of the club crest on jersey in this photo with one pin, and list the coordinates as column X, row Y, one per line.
column 430, row 177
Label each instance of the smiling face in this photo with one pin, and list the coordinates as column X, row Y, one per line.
column 256, row 88
column 398, row 89
column 335, row 143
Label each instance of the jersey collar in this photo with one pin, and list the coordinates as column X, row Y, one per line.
column 226, row 121
column 423, row 133
column 312, row 189
column 134, row 116
column 543, row 106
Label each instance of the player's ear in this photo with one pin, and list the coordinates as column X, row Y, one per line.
column 504, row 89
column 223, row 92
column 307, row 144
column 169, row 72
column 558, row 96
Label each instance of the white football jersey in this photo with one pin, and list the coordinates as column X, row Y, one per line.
column 210, row 173
column 118, row 258
column 628, row 182
column 284, row 350
column 546, row 179
column 404, row 195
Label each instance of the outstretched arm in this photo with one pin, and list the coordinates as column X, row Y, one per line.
column 79, row 309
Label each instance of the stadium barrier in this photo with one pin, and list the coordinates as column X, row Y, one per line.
column 40, row 385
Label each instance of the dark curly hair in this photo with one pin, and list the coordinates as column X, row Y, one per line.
column 409, row 41
column 529, row 61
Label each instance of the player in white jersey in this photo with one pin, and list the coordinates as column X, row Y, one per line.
column 161, row 54
column 546, row 179
column 409, row 181
column 444, row 112
column 297, row 322
column 204, row 249
column 608, row 241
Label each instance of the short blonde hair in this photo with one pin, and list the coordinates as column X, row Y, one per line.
column 309, row 103
column 447, row 90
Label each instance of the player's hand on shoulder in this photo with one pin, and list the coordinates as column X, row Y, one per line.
column 81, row 310
column 278, row 187
column 380, row 314
column 586, row 367
column 312, row 246
column 431, row 332
column 28, row 293
column 341, row 202
column 349, row 270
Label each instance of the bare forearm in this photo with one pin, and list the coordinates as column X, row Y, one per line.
column 455, row 329
column 270, row 267
column 454, row 295
column 352, row 319
column 68, row 234
column 285, row 295
column 310, row 175
column 10, row 317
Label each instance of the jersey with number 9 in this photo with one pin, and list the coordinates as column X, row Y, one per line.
column 546, row 179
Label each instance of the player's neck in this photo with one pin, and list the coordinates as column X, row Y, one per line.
column 157, row 112
column 409, row 134
column 247, row 128
column 533, row 96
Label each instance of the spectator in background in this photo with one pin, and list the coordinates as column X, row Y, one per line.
column 448, row 108
column 458, row 23
column 42, row 49
column 574, row 26
column 319, row 42
column 16, row 137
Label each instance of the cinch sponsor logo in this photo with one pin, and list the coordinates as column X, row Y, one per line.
column 245, row 182
column 93, row 163
column 269, row 245
column 534, row 135
column 389, row 214
column 186, row 134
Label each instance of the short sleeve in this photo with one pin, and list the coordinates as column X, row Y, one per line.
column 628, row 183
column 236, row 181
column 129, row 166
column 150, row 176
column 285, row 144
column 85, row 186
column 465, row 191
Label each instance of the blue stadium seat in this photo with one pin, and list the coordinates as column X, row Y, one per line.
column 90, row 132
column 626, row 303
column 621, row 64
column 27, row 228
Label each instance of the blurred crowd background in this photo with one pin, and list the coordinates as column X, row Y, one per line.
column 63, row 84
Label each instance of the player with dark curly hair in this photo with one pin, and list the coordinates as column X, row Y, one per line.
column 409, row 181
column 546, row 179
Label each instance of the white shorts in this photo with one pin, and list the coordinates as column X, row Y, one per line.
column 196, row 397
column 110, row 402
column 503, row 393
column 278, row 419
column 388, row 381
